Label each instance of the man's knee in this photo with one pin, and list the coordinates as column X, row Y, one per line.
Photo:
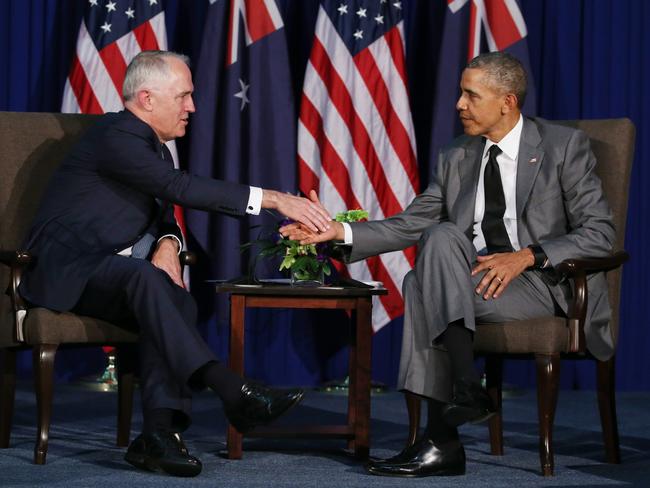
column 441, row 237
column 147, row 276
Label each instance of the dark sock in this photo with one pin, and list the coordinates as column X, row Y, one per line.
column 437, row 430
column 157, row 419
column 458, row 340
column 222, row 381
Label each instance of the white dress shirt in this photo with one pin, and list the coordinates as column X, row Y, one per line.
column 507, row 161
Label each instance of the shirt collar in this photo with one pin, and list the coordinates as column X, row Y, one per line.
column 509, row 145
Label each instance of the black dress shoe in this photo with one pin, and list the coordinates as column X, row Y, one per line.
column 424, row 458
column 261, row 405
column 162, row 451
column 471, row 403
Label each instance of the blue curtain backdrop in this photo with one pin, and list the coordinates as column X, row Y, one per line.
column 589, row 59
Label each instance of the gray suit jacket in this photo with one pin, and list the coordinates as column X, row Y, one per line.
column 560, row 206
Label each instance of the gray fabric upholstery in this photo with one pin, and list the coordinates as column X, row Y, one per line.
column 612, row 141
column 32, row 145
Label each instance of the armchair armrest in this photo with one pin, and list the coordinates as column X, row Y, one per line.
column 17, row 262
column 577, row 270
column 571, row 267
column 15, row 258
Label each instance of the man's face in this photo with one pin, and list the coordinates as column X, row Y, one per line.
column 171, row 102
column 480, row 107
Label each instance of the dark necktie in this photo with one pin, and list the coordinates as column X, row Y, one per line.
column 494, row 230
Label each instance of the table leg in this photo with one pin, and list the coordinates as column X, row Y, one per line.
column 236, row 364
column 352, row 378
column 362, row 380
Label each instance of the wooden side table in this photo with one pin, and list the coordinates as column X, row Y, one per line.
column 359, row 302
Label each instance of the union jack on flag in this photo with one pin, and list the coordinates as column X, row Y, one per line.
column 111, row 34
column 356, row 141
column 502, row 21
column 259, row 18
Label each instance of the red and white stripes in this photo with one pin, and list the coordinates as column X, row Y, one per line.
column 356, row 142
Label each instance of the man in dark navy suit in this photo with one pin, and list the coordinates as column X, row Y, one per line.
column 110, row 203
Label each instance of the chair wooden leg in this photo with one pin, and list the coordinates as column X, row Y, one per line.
column 414, row 409
column 494, row 380
column 548, row 375
column 8, row 394
column 126, row 358
column 43, row 361
column 607, row 408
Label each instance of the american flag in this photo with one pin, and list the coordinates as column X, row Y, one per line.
column 111, row 34
column 356, row 141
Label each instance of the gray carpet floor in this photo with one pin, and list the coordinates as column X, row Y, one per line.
column 82, row 452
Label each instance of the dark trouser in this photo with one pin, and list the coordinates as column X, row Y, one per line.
column 132, row 291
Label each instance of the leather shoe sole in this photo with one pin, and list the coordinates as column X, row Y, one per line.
column 452, row 471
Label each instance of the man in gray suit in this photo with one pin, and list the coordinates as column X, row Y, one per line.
column 509, row 200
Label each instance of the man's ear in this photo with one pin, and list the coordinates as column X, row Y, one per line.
column 144, row 100
column 509, row 103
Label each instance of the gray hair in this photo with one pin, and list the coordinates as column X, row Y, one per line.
column 147, row 66
column 504, row 72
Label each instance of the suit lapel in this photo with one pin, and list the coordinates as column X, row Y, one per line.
column 529, row 162
column 469, row 168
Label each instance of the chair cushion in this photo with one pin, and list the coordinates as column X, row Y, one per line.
column 542, row 335
column 43, row 326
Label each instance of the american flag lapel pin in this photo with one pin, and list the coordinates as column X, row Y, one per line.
column 532, row 160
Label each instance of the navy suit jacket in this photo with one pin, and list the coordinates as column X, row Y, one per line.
column 117, row 183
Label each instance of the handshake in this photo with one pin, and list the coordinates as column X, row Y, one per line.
column 310, row 226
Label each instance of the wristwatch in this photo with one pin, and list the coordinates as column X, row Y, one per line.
column 541, row 260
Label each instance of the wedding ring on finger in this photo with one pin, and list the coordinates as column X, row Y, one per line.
column 498, row 279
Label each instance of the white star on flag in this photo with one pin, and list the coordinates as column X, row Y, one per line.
column 398, row 5
column 343, row 9
column 93, row 3
column 153, row 2
column 243, row 94
column 358, row 34
column 379, row 19
column 110, row 6
column 362, row 12
column 130, row 13
column 106, row 27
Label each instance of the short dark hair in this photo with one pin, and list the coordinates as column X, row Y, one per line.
column 504, row 72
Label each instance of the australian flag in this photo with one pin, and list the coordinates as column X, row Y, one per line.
column 244, row 128
column 472, row 27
